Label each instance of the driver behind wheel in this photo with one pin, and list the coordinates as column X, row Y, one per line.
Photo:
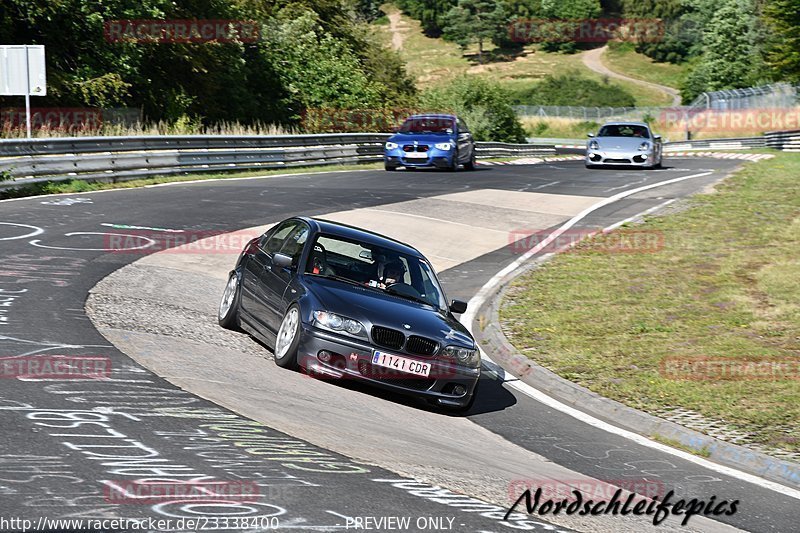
column 393, row 272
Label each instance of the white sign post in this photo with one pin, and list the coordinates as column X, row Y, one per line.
column 22, row 72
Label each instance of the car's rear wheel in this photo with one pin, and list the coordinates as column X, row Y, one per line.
column 228, row 313
column 288, row 338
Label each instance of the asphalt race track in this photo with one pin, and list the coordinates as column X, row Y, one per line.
column 322, row 454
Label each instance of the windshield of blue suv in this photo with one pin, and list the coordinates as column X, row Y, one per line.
column 428, row 125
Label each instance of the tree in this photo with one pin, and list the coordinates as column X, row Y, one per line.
column 783, row 53
column 476, row 21
column 483, row 104
column 731, row 57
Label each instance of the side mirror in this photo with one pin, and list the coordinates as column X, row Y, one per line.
column 590, row 135
column 657, row 137
column 281, row 261
column 458, row 306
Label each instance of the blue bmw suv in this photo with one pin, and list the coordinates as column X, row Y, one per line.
column 438, row 141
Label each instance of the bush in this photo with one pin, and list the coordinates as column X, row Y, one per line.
column 572, row 89
column 484, row 105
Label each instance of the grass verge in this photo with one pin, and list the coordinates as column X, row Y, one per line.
column 80, row 186
column 622, row 58
column 724, row 285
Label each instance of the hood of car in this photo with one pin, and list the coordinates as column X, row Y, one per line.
column 620, row 143
column 421, row 138
column 373, row 307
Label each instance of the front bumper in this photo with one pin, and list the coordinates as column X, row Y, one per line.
column 352, row 359
column 433, row 158
column 636, row 158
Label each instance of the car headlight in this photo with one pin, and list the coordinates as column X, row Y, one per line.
column 443, row 146
column 340, row 324
column 645, row 146
column 390, row 145
column 594, row 145
column 465, row 356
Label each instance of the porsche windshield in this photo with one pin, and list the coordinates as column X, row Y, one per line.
column 402, row 275
column 624, row 130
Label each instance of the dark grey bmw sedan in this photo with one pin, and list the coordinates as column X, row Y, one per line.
column 342, row 302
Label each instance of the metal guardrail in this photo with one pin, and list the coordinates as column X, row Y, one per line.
column 29, row 161
column 788, row 141
column 123, row 158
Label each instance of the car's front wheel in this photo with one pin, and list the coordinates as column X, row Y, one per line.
column 288, row 339
column 228, row 313
column 470, row 165
column 389, row 168
column 454, row 165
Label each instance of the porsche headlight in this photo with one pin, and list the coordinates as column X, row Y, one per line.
column 443, row 146
column 464, row 356
column 594, row 145
column 340, row 324
column 390, row 145
column 645, row 146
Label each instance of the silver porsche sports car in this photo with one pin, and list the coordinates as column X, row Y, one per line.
column 624, row 143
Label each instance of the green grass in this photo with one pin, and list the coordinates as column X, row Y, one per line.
column 433, row 62
column 622, row 58
column 79, row 186
column 702, row 452
column 726, row 284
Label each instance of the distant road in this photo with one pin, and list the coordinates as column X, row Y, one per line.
column 593, row 60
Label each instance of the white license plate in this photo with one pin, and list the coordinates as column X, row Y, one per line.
column 416, row 155
column 402, row 364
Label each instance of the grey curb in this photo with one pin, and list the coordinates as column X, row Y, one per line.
column 489, row 335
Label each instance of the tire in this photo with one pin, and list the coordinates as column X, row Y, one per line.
column 470, row 165
column 389, row 168
column 287, row 340
column 589, row 166
column 228, row 312
column 454, row 166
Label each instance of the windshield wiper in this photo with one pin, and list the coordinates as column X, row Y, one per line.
column 339, row 278
column 407, row 296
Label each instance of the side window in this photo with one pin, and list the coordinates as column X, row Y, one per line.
column 277, row 239
column 462, row 127
column 293, row 246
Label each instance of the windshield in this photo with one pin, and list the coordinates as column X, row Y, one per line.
column 384, row 269
column 624, row 130
column 427, row 125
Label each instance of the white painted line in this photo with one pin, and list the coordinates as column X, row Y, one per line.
column 476, row 301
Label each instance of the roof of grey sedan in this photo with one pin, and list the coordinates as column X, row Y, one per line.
column 361, row 235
